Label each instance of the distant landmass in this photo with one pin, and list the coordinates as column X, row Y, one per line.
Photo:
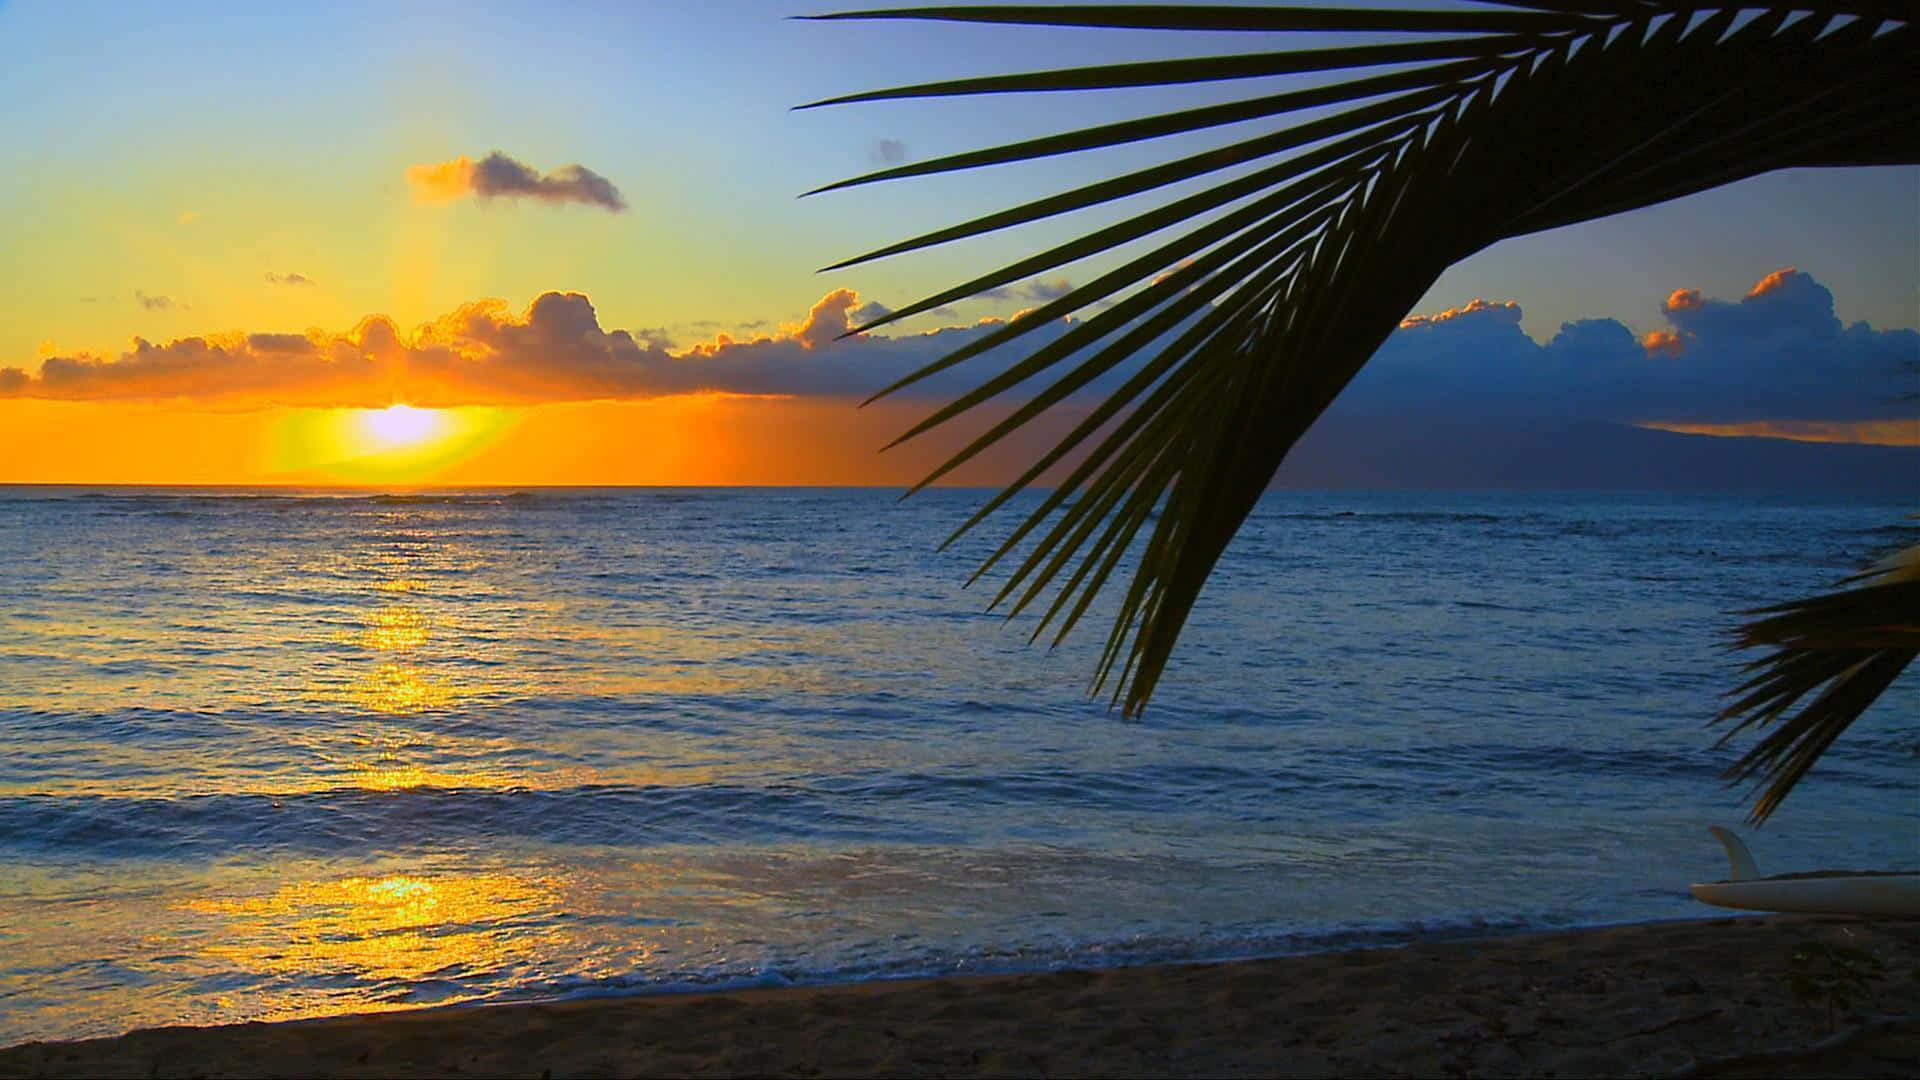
column 1384, row 452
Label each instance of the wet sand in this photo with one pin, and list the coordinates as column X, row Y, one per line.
column 1698, row 997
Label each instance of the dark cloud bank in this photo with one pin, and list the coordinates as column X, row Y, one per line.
column 1466, row 399
column 1459, row 399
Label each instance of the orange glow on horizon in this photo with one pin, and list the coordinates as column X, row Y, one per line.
column 1869, row 432
column 400, row 444
column 687, row 440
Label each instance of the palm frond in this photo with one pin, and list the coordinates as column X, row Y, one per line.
column 1450, row 131
column 1842, row 647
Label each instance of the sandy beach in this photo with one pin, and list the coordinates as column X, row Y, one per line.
column 1697, row 997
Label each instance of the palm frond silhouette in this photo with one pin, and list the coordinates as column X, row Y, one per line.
column 1843, row 647
column 1455, row 129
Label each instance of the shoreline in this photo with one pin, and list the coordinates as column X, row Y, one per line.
column 1361, row 940
column 1443, row 933
column 1101, row 959
column 1713, row 995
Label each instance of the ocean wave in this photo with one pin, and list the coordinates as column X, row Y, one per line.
column 351, row 819
column 1049, row 953
column 1388, row 517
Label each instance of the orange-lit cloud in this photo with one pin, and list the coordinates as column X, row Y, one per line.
column 288, row 279
column 1682, row 300
column 1663, row 343
column 1869, row 432
column 825, row 321
column 1474, row 306
column 482, row 353
column 1771, row 282
column 1165, row 274
column 498, row 176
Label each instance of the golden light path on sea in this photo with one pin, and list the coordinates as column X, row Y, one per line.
column 403, row 927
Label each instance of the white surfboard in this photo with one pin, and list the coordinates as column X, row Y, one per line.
column 1893, row 893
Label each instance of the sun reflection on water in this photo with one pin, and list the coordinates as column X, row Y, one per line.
column 410, row 670
column 401, row 927
column 391, row 775
column 399, row 689
column 395, row 628
column 402, row 685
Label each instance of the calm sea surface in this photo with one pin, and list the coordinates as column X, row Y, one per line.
column 266, row 756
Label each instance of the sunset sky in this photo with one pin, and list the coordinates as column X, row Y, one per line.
column 564, row 240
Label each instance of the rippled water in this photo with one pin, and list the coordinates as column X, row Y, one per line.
column 267, row 755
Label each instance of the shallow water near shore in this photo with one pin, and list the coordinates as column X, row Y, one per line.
column 270, row 754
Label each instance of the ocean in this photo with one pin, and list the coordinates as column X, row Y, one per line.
column 270, row 754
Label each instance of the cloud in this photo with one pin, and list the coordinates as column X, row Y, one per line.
column 652, row 337
column 1682, row 300
column 871, row 311
column 1663, row 343
column 1777, row 355
column 288, row 279
column 1037, row 291
column 887, row 152
column 483, row 353
column 1777, row 279
column 498, row 176
column 1045, row 291
column 1508, row 310
column 828, row 319
column 1776, row 363
column 154, row 303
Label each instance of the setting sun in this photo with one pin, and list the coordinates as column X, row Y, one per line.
column 398, row 444
column 398, row 426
